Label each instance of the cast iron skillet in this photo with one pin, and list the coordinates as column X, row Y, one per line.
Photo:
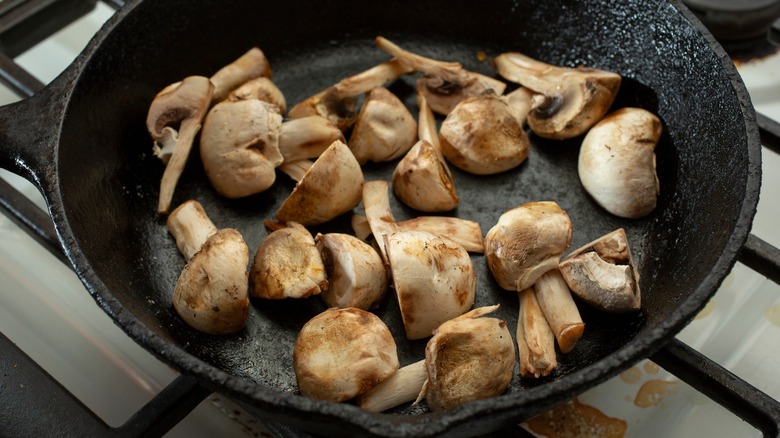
column 82, row 141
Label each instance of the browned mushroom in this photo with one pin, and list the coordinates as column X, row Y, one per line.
column 250, row 65
column 261, row 88
column 384, row 130
column 554, row 299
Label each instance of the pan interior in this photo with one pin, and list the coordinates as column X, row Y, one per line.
column 110, row 179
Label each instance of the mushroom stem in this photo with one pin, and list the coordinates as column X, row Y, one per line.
column 535, row 339
column 250, row 65
column 295, row 169
column 426, row 124
column 187, row 131
column 376, row 204
column 539, row 76
column 307, row 137
column 374, row 77
column 451, row 71
column 191, row 227
column 401, row 387
column 467, row 233
column 557, row 304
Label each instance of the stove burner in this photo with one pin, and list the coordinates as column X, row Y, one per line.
column 736, row 20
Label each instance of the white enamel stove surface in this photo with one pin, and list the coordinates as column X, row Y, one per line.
column 46, row 311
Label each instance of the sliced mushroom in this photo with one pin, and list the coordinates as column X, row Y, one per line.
column 287, row 265
column 342, row 353
column 356, row 274
column 422, row 179
column 211, row 292
column 376, row 203
column 575, row 98
column 250, row 65
column 239, row 147
column 535, row 339
column 337, row 103
column 617, row 162
column 173, row 121
column 481, row 135
column 331, row 187
column 554, row 299
column 444, row 84
column 526, row 242
column 384, row 130
column 261, row 88
column 603, row 274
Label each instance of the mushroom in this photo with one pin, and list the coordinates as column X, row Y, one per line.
column 296, row 169
column 481, row 135
column 173, row 121
column 211, row 293
column 337, row 103
column 307, row 137
column 526, row 242
column 467, row 233
column 384, row 130
column 250, row 65
column 422, row 179
column 444, row 84
column 468, row 358
column 261, row 88
column 554, row 299
column 239, row 147
column 574, row 98
column 433, row 276
column 617, row 162
column 341, row 353
column 535, row 339
column 603, row 274
column 287, row 265
column 356, row 274
column 521, row 101
column 332, row 186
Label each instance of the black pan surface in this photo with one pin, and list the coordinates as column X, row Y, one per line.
column 92, row 158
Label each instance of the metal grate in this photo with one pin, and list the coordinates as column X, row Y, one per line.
column 25, row 382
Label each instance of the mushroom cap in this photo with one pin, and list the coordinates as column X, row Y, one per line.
column 443, row 96
column 186, row 99
column 337, row 108
column 261, row 88
column 384, row 130
column 341, row 353
column 250, row 65
column 211, row 292
column 434, row 280
column 422, row 180
column 526, row 242
column 357, row 276
column 617, row 162
column 331, row 187
column 468, row 358
column 481, row 135
column 603, row 274
column 239, row 147
column 287, row 265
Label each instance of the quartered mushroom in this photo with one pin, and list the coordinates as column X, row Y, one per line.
column 250, row 65
column 384, row 130
column 261, row 88
column 574, row 98
column 341, row 353
column 482, row 135
column 357, row 277
column 468, row 358
column 338, row 102
column 554, row 299
column 433, row 276
column 444, row 84
column 287, row 264
column 331, row 187
column 211, row 292
column 422, row 179
column 603, row 274
column 617, row 162
column 466, row 232
column 173, row 121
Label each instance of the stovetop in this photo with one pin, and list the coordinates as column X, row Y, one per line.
column 45, row 310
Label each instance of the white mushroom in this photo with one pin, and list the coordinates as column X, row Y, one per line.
column 444, row 84
column 422, row 179
column 575, row 98
column 603, row 274
column 211, row 293
column 173, row 121
column 356, row 274
column 467, row 233
column 554, row 299
column 307, row 137
column 296, row 169
column 250, row 65
column 401, row 387
column 481, row 135
column 261, row 88
column 384, row 130
column 342, row 353
column 535, row 339
column 617, row 162
column 337, row 103
column 521, row 101
column 331, row 187
column 287, row 265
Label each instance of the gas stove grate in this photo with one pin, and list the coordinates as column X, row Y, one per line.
column 39, row 401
